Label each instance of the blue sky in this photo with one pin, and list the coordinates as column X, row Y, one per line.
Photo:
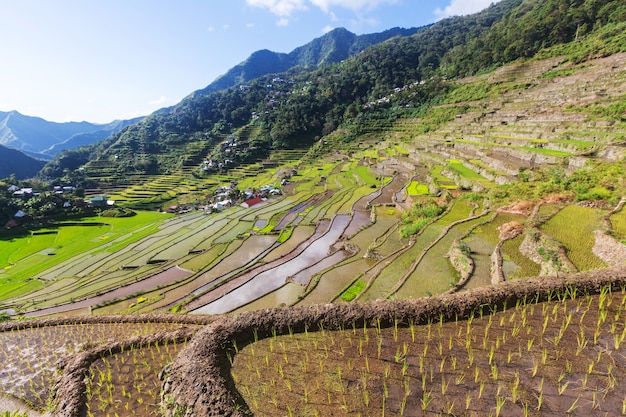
column 101, row 60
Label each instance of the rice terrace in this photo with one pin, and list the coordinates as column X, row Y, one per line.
column 463, row 257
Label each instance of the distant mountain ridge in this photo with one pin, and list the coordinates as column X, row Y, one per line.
column 16, row 163
column 43, row 139
column 332, row 47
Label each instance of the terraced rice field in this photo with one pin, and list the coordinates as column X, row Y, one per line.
column 198, row 262
column 334, row 236
column 31, row 354
column 496, row 362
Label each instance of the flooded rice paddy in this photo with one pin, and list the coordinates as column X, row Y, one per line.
column 270, row 280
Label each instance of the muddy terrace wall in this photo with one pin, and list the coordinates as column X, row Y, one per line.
column 69, row 391
column 198, row 383
column 128, row 318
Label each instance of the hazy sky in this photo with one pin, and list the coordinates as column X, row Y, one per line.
column 101, row 60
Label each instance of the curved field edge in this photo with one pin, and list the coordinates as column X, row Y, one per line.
column 199, row 381
column 69, row 388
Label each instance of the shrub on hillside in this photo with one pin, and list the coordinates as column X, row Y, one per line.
column 117, row 212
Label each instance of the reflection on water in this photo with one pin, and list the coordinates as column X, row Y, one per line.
column 304, row 277
column 274, row 278
column 260, row 224
column 164, row 278
column 360, row 219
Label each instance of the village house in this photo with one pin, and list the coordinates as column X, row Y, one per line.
column 24, row 193
column 251, row 202
column 101, row 201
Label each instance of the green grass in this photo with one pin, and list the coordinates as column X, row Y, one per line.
column 416, row 188
column 556, row 73
column 401, row 150
column 441, row 180
column 26, row 257
column 357, row 194
column 354, row 290
column 204, row 259
column 512, row 253
column 618, row 221
column 11, row 289
column 285, row 234
column 370, row 153
column 365, row 174
column 470, row 92
column 544, row 151
column 578, row 143
column 465, row 172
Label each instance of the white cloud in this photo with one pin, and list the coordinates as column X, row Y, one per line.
column 159, row 100
column 325, row 5
column 462, row 7
column 286, row 8
column 327, row 29
column 362, row 21
column 250, row 25
column 283, row 21
column 282, row 8
column 210, row 28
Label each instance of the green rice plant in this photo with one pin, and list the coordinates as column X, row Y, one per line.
column 441, row 180
column 463, row 171
column 511, row 252
column 31, row 370
column 578, row 240
column 365, row 174
column 416, row 188
column 400, row 356
column 355, row 289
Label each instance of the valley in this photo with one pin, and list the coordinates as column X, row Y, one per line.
column 339, row 224
column 454, row 247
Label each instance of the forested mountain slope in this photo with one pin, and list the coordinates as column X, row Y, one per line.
column 13, row 162
column 298, row 107
column 333, row 47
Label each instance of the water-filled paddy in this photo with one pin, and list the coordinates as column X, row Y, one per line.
column 163, row 278
column 482, row 242
column 268, row 281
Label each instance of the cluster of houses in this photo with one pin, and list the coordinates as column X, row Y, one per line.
column 397, row 90
column 229, row 151
column 63, row 197
column 58, row 191
column 27, row 192
column 226, row 196
column 55, row 196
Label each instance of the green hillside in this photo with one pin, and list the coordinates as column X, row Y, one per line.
column 297, row 108
column 464, row 185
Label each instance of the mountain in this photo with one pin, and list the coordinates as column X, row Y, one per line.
column 44, row 139
column 16, row 163
column 296, row 108
column 88, row 138
column 332, row 47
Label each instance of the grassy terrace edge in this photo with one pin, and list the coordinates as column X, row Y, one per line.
column 199, row 381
